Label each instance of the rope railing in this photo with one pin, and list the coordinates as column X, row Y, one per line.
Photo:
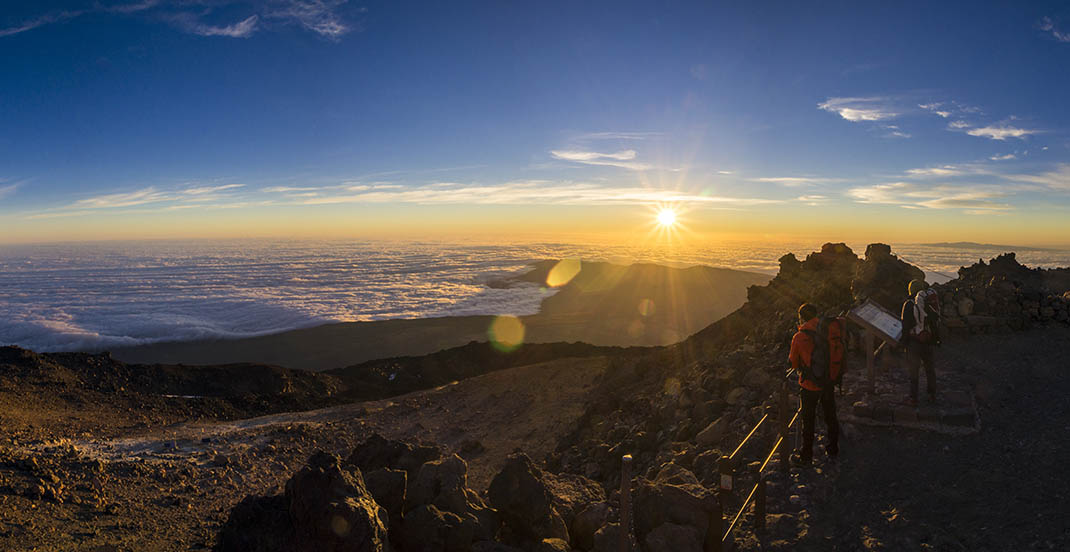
column 717, row 537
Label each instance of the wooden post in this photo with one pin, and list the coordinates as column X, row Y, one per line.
column 727, row 473
column 759, row 505
column 785, row 454
column 871, row 377
column 626, row 503
column 715, row 531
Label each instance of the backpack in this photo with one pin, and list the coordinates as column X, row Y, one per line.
column 827, row 359
column 927, row 316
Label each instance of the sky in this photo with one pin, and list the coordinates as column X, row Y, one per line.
column 892, row 121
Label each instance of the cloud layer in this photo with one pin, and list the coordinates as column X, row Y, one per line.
column 323, row 17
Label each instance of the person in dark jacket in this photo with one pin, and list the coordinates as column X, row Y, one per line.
column 802, row 349
column 918, row 344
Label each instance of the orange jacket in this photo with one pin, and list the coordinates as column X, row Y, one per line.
column 801, row 349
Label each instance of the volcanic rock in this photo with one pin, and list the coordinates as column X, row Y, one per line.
column 387, row 487
column 525, row 502
column 586, row 524
column 331, row 509
column 443, row 484
column 378, row 452
column 687, row 503
column 713, row 433
column 671, row 537
column 572, row 493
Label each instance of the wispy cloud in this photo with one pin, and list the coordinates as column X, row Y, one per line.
column 318, row 16
column 936, row 108
column 969, row 199
column 623, row 158
column 189, row 195
column 1005, row 157
column 792, row 181
column 812, row 200
column 202, row 190
column 860, row 109
column 241, row 29
column 1047, row 25
column 531, row 192
column 7, row 190
column 39, row 21
column 938, row 172
column 619, row 136
column 1057, row 179
column 322, row 17
column 958, row 125
column 1001, row 132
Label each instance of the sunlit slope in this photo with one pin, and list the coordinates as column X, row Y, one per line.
column 639, row 304
column 601, row 304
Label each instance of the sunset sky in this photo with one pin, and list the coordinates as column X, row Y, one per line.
column 331, row 118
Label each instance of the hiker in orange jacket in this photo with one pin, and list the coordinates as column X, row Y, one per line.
column 802, row 349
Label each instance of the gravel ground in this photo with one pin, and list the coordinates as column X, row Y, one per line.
column 1000, row 489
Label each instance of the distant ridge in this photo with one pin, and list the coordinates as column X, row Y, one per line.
column 975, row 245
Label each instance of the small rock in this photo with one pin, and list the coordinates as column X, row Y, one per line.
column 737, row 396
column 713, row 433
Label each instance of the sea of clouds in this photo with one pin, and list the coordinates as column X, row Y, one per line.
column 65, row 297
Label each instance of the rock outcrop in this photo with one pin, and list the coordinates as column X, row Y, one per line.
column 1003, row 295
column 392, row 495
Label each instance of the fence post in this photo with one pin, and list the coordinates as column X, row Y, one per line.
column 725, row 467
column 759, row 504
column 783, row 418
column 871, row 386
column 626, row 503
column 715, row 530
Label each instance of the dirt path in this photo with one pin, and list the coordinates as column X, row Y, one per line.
column 1004, row 488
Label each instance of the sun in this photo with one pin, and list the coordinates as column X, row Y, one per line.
column 666, row 217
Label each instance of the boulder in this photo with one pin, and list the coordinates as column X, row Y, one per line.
column 378, row 452
column 671, row 537
column 607, row 538
column 713, row 433
column 687, row 504
column 674, row 474
column 571, row 493
column 387, row 487
column 586, row 524
column 444, row 484
column 755, row 378
column 737, row 396
column 429, row 529
column 331, row 509
column 259, row 524
column 552, row 545
column 524, row 501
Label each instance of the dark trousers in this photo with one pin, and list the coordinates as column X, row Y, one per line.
column 827, row 398
column 919, row 353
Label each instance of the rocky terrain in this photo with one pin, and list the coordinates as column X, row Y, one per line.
column 487, row 451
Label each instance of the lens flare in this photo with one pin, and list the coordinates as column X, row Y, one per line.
column 563, row 272
column 506, row 333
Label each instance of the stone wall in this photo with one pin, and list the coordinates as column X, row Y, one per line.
column 1003, row 295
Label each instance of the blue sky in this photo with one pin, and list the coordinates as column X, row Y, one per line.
column 146, row 118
